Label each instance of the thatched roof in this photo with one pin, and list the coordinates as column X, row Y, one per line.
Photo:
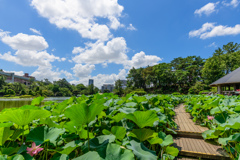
column 231, row 78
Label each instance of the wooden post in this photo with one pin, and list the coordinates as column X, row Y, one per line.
column 219, row 89
column 235, row 87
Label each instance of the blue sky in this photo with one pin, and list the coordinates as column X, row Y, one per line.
column 103, row 39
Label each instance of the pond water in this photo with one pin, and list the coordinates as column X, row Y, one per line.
column 18, row 102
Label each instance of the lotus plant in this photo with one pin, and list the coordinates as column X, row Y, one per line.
column 34, row 150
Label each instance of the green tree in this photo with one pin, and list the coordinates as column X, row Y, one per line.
column 118, row 87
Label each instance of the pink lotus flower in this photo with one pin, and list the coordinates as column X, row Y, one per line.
column 210, row 117
column 34, row 149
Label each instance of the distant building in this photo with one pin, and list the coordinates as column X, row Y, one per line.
column 11, row 78
column 91, row 82
column 109, row 87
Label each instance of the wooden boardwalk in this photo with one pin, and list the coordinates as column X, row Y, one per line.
column 189, row 138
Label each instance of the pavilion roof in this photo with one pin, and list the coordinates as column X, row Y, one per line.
column 231, row 78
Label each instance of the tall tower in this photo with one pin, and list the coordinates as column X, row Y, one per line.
column 90, row 82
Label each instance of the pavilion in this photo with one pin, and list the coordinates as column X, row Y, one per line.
column 229, row 84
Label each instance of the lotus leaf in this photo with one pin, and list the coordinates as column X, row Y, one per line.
column 115, row 152
column 43, row 134
column 82, row 113
column 143, row 118
column 141, row 152
column 23, row 117
column 5, row 133
column 37, row 101
column 172, row 151
column 141, row 134
column 92, row 155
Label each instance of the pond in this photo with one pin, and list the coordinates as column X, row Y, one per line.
column 18, row 102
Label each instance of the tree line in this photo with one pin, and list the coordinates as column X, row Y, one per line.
column 45, row 88
column 186, row 75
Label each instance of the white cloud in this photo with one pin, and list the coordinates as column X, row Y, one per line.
column 207, row 9
column 29, row 58
column 35, row 31
column 83, row 70
column 19, row 73
column 30, row 51
column 67, row 74
column 131, row 27
column 63, row 59
column 113, row 51
column 81, row 15
column 212, row 45
column 233, row 3
column 142, row 60
column 209, row 30
column 101, row 79
column 25, row 42
column 46, row 72
column 115, row 24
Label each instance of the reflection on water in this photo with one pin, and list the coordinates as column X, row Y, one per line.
column 18, row 102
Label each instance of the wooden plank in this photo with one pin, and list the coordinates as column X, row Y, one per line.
column 191, row 147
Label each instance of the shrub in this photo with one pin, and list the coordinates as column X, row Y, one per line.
column 26, row 96
column 176, row 93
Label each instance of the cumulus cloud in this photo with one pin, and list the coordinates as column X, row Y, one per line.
column 101, row 79
column 31, row 51
column 83, row 70
column 131, row 27
column 25, row 42
column 29, row 58
column 142, row 60
column 67, row 74
column 19, row 73
column 233, row 3
column 35, row 31
column 209, row 30
column 81, row 15
column 113, row 51
column 46, row 72
column 207, row 9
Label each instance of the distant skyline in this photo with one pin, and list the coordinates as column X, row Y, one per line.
column 102, row 39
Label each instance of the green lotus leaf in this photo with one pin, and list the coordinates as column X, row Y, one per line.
column 141, row 152
column 23, row 117
column 143, row 118
column 115, row 152
column 139, row 99
column 37, row 101
column 130, row 104
column 119, row 132
column 210, row 134
column 127, row 110
column 5, row 133
column 172, row 151
column 92, row 155
column 58, row 156
column 6, row 124
column 141, row 134
column 236, row 137
column 82, row 113
column 43, row 134
column 17, row 157
column 10, row 150
column 167, row 139
column 155, row 140
column 118, row 117
column 224, row 141
column 69, row 147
